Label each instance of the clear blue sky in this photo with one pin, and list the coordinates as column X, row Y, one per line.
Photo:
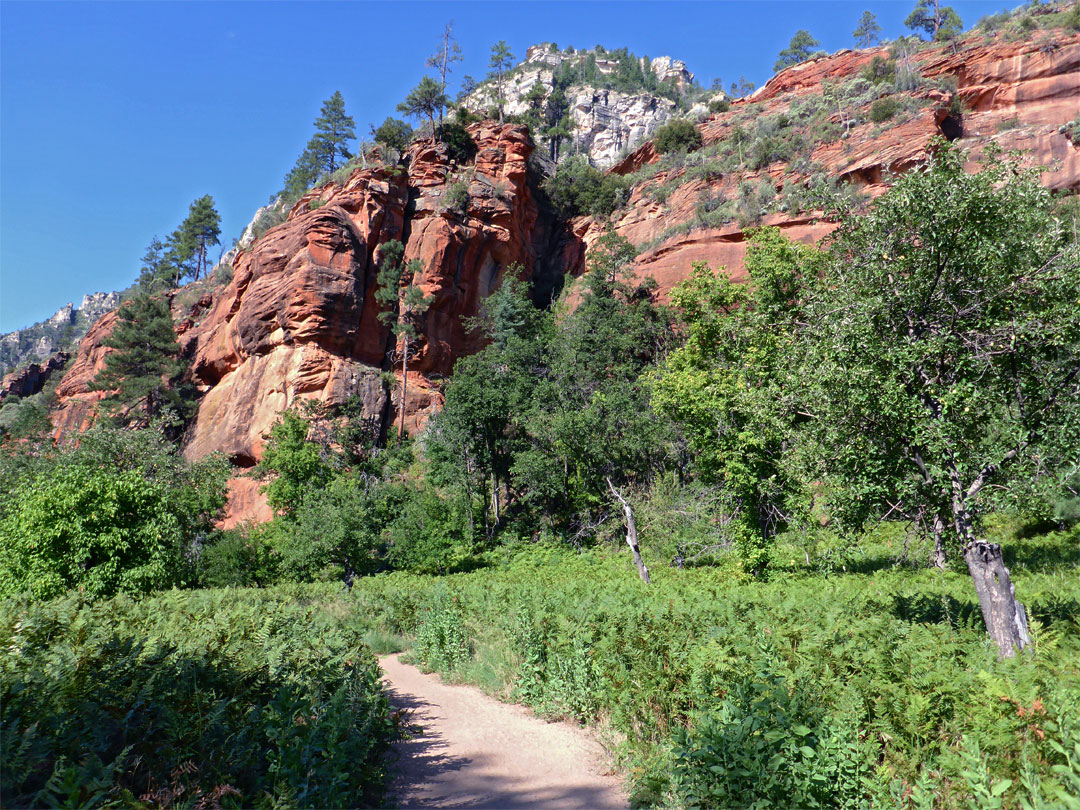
column 114, row 116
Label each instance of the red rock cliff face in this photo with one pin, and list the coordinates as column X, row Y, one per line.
column 299, row 319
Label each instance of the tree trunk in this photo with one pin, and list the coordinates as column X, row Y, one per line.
column 631, row 533
column 404, row 389
column 937, row 556
column 495, row 499
column 1005, row 617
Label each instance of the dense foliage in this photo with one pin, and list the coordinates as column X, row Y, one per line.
column 206, row 699
column 121, row 512
column 861, row 680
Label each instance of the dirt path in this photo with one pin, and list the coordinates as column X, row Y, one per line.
column 476, row 752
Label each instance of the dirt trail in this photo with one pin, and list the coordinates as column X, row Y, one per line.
column 476, row 752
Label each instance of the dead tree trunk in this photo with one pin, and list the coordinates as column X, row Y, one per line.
column 404, row 389
column 1005, row 617
column 631, row 533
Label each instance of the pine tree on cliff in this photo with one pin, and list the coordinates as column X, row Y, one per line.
column 449, row 52
column 501, row 61
column 402, row 307
column 940, row 22
column 333, row 131
column 868, row 31
column 201, row 229
column 798, row 50
column 326, row 151
column 424, row 100
column 140, row 372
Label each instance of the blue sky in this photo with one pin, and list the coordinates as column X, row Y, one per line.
column 114, row 116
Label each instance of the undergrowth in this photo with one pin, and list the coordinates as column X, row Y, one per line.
column 206, row 699
column 857, row 680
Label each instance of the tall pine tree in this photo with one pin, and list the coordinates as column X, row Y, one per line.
column 327, row 150
column 141, row 372
column 201, row 229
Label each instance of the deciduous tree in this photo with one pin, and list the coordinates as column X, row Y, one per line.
column 943, row 360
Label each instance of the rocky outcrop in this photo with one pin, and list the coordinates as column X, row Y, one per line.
column 30, row 379
column 77, row 403
column 1015, row 95
column 604, row 123
column 300, row 320
column 60, row 332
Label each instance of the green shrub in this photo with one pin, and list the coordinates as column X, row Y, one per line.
column 769, row 744
column 678, row 135
column 238, row 558
column 879, row 71
column 579, row 188
column 456, row 197
column 459, row 145
column 883, row 109
column 122, row 512
column 719, row 105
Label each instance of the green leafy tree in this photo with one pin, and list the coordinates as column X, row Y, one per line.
column 199, row 230
column 424, row 100
column 728, row 385
column 118, row 513
column 942, row 360
column 142, row 371
column 340, row 525
column 591, row 422
column 449, row 52
column 293, row 462
column 501, row 61
column 867, row 32
column 403, row 306
column 481, row 427
column 940, row 22
column 677, row 135
column 393, row 133
column 798, row 50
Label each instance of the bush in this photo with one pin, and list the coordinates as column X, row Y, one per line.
column 719, row 105
column 579, row 188
column 459, row 144
column 678, row 135
column 883, row 109
column 768, row 744
column 456, row 197
column 394, row 133
column 123, row 512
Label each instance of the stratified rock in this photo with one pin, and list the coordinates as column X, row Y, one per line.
column 30, row 379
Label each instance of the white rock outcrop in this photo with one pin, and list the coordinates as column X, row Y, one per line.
column 605, row 124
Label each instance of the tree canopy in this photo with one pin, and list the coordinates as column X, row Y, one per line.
column 798, row 50
column 424, row 101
